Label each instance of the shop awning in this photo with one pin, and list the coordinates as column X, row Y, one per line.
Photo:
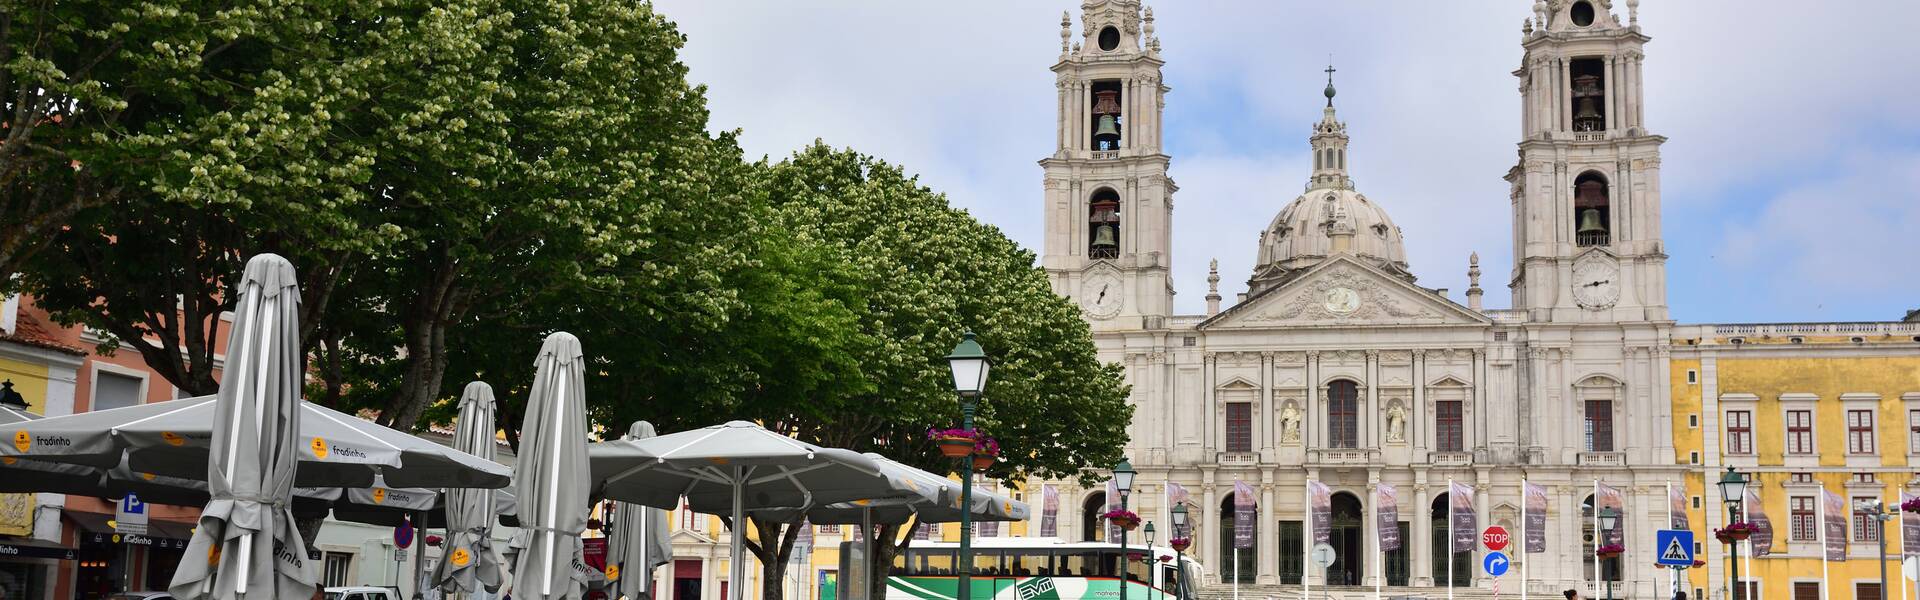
column 160, row 534
column 32, row 548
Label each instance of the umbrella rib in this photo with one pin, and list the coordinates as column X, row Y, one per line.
column 323, row 414
column 204, row 400
column 664, row 455
column 788, row 474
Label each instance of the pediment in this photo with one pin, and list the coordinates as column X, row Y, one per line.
column 1343, row 292
column 1237, row 383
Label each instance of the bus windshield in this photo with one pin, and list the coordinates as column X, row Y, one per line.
column 1018, row 572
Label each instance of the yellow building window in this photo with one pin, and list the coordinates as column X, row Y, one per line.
column 1860, row 432
column 1799, row 432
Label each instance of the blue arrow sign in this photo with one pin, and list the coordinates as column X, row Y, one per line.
column 1496, row 564
column 1675, row 547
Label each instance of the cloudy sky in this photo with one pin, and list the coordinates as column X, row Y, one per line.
column 1791, row 175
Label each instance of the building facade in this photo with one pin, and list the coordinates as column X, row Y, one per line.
column 1337, row 367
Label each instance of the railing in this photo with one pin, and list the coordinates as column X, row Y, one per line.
column 1451, row 459
column 1814, row 328
column 1591, row 239
column 1106, row 154
column 1590, row 136
column 1237, row 458
column 1602, row 459
column 1344, row 456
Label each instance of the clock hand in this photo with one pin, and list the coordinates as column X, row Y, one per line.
column 1103, row 292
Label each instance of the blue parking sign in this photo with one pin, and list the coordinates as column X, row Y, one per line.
column 1496, row 564
column 1674, row 547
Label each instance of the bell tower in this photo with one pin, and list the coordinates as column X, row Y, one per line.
column 1109, row 203
column 1586, row 193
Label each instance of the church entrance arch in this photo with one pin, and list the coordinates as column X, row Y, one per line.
column 1349, row 541
column 1244, row 568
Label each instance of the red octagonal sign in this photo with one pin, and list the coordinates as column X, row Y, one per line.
column 1494, row 538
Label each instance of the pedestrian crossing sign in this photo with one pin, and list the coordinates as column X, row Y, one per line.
column 1675, row 546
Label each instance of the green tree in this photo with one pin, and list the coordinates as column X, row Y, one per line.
column 928, row 272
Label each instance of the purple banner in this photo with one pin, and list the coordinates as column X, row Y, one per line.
column 1049, row 511
column 1909, row 528
column 1762, row 540
column 1387, row 518
column 1465, row 524
column 1320, row 511
column 1834, row 519
column 1535, row 497
column 1605, row 497
column 923, row 531
column 1243, row 515
column 1176, row 496
column 987, row 528
column 1113, row 503
column 1677, row 507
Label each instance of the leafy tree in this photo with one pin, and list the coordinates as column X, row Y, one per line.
column 928, row 272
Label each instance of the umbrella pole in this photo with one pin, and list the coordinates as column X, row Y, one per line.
column 867, row 538
column 420, row 558
column 739, row 574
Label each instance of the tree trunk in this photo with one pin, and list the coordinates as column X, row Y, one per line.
column 773, row 561
column 884, row 549
column 434, row 310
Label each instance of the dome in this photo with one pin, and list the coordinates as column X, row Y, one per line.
column 1304, row 233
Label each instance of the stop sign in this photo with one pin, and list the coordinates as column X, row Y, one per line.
column 1494, row 538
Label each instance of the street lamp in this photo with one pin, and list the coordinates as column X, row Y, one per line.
column 1879, row 511
column 969, row 364
column 1733, row 491
column 1608, row 519
column 1123, row 483
column 1179, row 552
column 1146, row 558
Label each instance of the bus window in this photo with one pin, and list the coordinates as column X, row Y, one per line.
column 1169, row 577
column 988, row 562
column 1138, row 567
column 1030, row 562
column 1076, row 563
column 927, row 562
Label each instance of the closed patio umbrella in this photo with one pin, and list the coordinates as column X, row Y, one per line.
column 732, row 468
column 551, row 479
column 246, row 545
column 639, row 541
column 471, row 563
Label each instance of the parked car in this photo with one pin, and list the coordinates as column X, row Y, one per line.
column 147, row 595
column 357, row 593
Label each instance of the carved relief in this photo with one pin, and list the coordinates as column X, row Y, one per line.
column 1359, row 298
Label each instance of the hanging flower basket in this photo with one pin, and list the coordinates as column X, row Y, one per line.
column 1180, row 544
column 1734, row 532
column 1609, row 551
column 986, row 452
column 954, row 443
column 1911, row 505
column 982, row 463
column 1122, row 518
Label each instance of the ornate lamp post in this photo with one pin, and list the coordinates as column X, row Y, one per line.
column 1146, row 558
column 970, row 365
column 1608, row 519
column 1180, row 533
column 1733, row 490
column 1123, row 482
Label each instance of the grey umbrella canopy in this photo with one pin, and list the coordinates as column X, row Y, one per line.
column 936, row 499
column 470, row 562
column 246, row 545
column 551, row 477
column 175, row 438
column 730, row 468
column 28, row 475
column 639, row 541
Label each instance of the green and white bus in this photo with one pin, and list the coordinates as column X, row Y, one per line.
column 1039, row 569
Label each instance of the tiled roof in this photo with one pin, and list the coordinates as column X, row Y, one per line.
column 28, row 331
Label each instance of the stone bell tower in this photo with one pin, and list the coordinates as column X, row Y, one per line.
column 1586, row 192
column 1109, row 203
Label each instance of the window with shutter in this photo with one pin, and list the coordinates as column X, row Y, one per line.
column 1343, row 418
column 1239, row 427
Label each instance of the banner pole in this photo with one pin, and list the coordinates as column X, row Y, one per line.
column 1746, row 560
column 1379, row 563
column 1902, row 520
column 1599, row 537
column 1306, row 558
column 1673, row 575
column 1525, row 526
column 1450, row 538
column 1821, row 510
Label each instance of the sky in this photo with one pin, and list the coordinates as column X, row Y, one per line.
column 1790, row 178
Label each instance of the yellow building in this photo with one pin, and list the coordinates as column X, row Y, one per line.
column 1799, row 407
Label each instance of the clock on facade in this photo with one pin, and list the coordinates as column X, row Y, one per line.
column 1101, row 296
column 1594, row 285
column 1342, row 301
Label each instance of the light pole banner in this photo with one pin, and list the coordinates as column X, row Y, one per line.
column 1762, row 540
column 1605, row 497
column 1535, row 495
column 1049, row 511
column 1113, row 503
column 1677, row 507
column 1176, row 496
column 1388, row 516
column 1466, row 527
column 1835, row 517
column 1242, row 515
column 1909, row 528
column 1320, row 510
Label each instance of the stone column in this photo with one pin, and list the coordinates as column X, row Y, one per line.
column 1266, row 532
column 1573, row 559
column 1419, row 433
column 1369, row 410
column 1612, row 93
column 1210, row 418
column 1483, row 511
column 1563, row 94
column 1421, row 552
column 1370, row 530
column 1310, row 414
column 1477, row 365
column 1264, row 418
column 1210, row 517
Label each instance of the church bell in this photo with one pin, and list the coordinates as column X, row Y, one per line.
column 1106, row 132
column 1103, row 237
column 1590, row 222
column 1586, row 98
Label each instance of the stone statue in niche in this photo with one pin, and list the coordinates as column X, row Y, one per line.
column 1290, row 423
column 1396, row 422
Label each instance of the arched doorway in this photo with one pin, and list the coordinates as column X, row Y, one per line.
column 1349, row 541
column 1243, row 568
column 1090, row 511
column 1462, row 563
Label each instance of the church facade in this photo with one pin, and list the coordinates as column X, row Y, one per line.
column 1337, row 367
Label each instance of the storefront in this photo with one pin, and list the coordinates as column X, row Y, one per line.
column 111, row 562
column 27, row 567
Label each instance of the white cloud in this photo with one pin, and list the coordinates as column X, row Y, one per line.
column 1754, row 98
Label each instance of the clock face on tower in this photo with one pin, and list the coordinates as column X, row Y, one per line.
column 1594, row 283
column 1101, row 296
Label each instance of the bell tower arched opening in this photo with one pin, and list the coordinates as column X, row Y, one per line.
column 1592, row 209
column 1103, row 224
